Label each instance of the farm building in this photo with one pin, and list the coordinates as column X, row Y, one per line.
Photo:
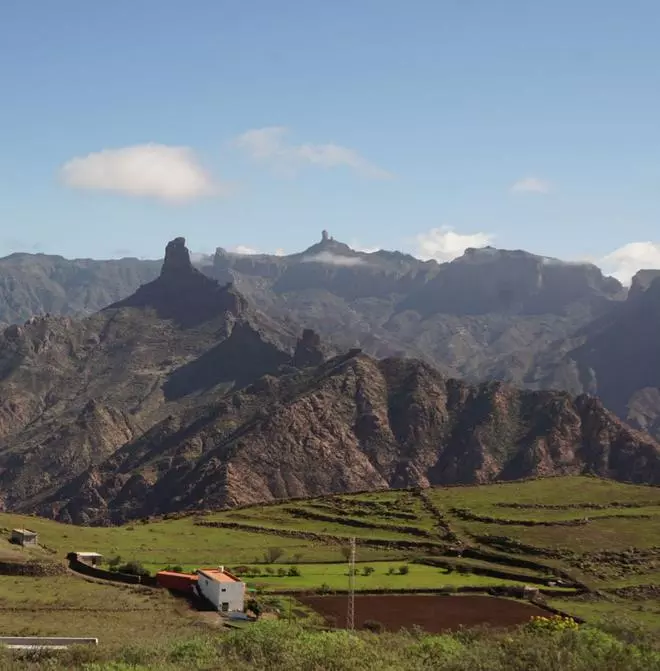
column 179, row 582
column 222, row 589
column 92, row 558
column 24, row 537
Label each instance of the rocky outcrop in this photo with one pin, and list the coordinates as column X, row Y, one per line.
column 351, row 424
column 308, row 350
column 72, row 392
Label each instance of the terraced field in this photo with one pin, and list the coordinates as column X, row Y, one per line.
column 551, row 533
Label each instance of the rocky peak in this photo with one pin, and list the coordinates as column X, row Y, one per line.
column 308, row 350
column 641, row 281
column 177, row 258
column 183, row 293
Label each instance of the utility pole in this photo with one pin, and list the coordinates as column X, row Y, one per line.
column 350, row 616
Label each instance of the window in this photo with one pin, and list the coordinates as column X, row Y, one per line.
column 224, row 589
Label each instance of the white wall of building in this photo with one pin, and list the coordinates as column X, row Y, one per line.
column 224, row 596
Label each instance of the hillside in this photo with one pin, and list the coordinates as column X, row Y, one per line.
column 73, row 391
column 616, row 357
column 352, row 423
column 490, row 314
column 184, row 396
column 555, row 533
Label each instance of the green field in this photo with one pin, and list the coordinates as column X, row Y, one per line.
column 335, row 577
column 618, row 547
column 72, row 606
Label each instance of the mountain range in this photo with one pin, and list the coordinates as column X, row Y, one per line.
column 202, row 389
column 529, row 320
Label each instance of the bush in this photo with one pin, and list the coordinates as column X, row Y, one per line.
column 374, row 626
column 368, row 570
column 273, row 554
column 404, row 570
column 293, row 572
column 554, row 624
column 174, row 569
column 269, row 570
column 133, row 568
column 281, row 572
column 253, row 606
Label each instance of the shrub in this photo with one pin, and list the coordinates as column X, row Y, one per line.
column 368, row 570
column 281, row 572
column 174, row 569
column 374, row 626
column 272, row 554
column 391, row 570
column 114, row 562
column 404, row 570
column 269, row 570
column 324, row 588
column 293, row 572
column 133, row 568
column 554, row 624
column 253, row 606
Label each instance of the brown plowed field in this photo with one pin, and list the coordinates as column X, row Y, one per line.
column 433, row 613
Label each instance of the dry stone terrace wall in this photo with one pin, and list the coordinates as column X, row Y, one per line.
column 32, row 568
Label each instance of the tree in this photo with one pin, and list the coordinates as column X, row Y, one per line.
column 253, row 606
column 293, row 572
column 368, row 570
column 272, row 554
column 281, row 572
column 404, row 570
column 114, row 562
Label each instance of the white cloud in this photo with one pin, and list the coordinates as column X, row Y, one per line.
column 625, row 261
column 531, row 185
column 269, row 145
column 333, row 259
column 444, row 244
column 244, row 250
column 360, row 248
column 154, row 170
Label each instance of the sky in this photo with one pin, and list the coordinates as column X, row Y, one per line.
column 426, row 126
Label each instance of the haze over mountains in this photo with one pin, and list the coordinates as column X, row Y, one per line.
column 489, row 314
column 196, row 391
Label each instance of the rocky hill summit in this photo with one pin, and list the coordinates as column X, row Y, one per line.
column 352, row 423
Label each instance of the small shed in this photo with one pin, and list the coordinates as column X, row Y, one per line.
column 24, row 537
column 177, row 582
column 92, row 558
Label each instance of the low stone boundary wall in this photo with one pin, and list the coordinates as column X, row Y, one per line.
column 33, row 569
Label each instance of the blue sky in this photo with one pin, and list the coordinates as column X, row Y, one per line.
column 423, row 125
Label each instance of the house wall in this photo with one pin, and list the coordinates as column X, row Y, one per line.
column 23, row 540
column 219, row 593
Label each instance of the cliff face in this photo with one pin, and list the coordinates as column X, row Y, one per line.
column 353, row 423
column 73, row 391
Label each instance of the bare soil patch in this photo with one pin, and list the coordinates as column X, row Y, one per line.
column 433, row 613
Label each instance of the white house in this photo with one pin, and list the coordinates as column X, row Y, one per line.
column 222, row 589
